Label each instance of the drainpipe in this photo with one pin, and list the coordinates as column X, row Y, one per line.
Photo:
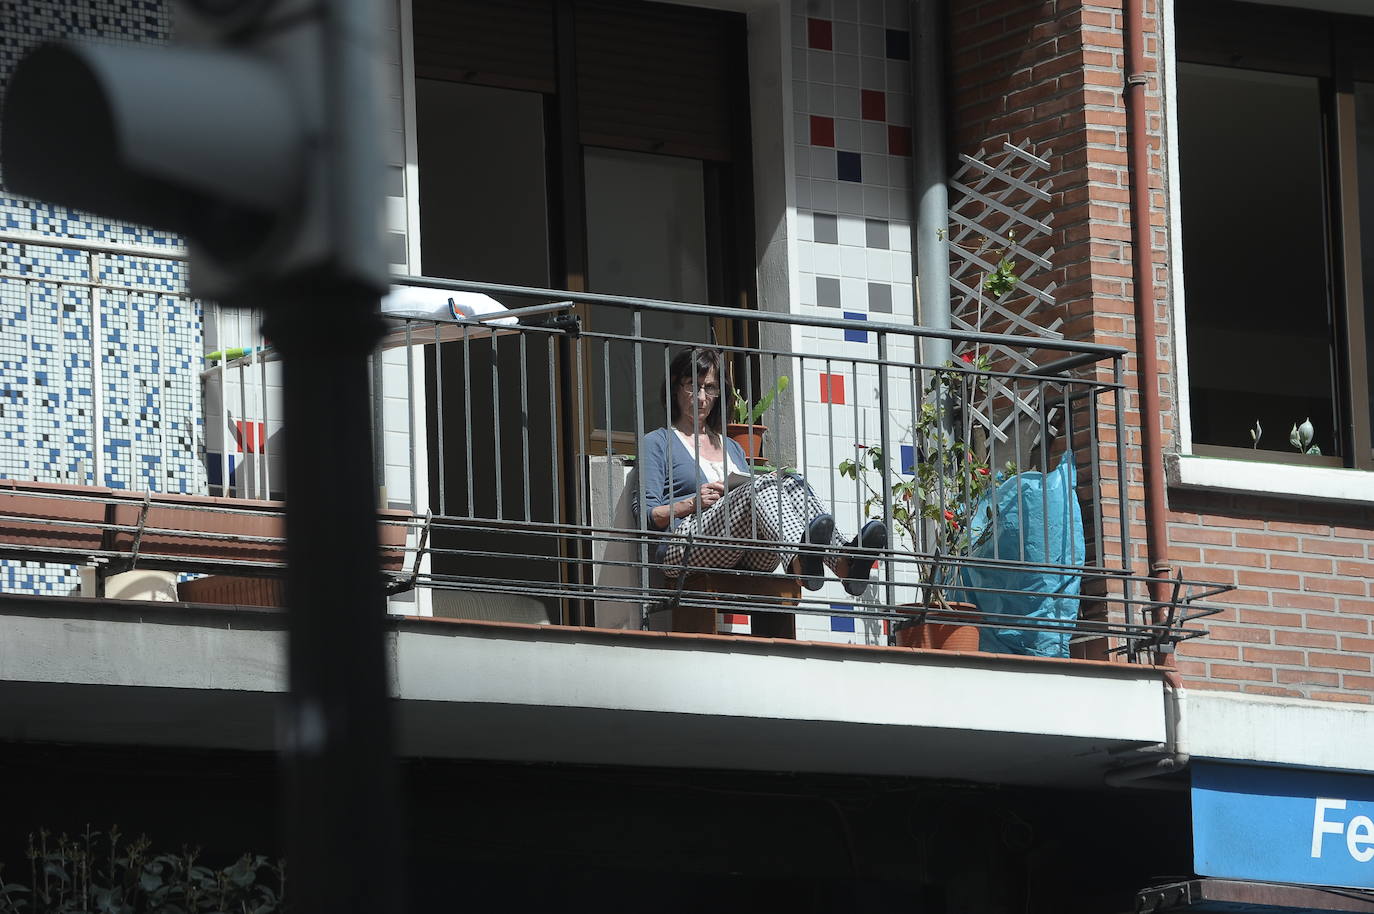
column 1142, row 265
column 929, row 174
column 1140, row 766
column 1140, row 775
column 930, row 194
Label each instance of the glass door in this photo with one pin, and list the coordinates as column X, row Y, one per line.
column 646, row 237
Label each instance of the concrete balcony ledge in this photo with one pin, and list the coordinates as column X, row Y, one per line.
column 1266, row 730
column 179, row 674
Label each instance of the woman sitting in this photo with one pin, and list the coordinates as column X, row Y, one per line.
column 683, row 470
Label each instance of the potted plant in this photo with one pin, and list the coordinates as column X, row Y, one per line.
column 939, row 493
column 745, row 429
column 1300, row 437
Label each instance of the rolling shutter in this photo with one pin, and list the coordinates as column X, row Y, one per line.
column 504, row 43
column 651, row 77
column 656, row 78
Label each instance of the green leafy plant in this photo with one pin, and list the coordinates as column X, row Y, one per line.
column 951, row 473
column 747, row 413
column 761, row 468
column 942, row 489
column 1002, row 279
column 97, row 873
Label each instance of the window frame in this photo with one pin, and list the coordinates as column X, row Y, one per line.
column 1213, row 467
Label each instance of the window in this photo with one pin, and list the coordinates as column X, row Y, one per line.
column 1276, row 168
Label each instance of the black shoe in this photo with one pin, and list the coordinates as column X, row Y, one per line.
column 872, row 536
column 812, row 564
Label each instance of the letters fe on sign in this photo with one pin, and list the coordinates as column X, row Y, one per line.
column 1283, row 825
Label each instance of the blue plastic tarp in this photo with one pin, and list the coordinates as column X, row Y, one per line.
column 1037, row 521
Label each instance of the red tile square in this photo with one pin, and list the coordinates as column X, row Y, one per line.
column 832, row 389
column 873, row 105
column 898, row 140
column 735, row 618
column 822, row 131
column 250, row 436
column 818, row 34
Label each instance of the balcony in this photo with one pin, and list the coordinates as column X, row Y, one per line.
column 505, row 445
column 506, row 456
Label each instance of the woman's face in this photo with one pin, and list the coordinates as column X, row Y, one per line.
column 696, row 404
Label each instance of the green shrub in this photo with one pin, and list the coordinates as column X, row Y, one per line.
column 101, row 874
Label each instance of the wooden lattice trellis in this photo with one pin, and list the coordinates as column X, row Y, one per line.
column 994, row 194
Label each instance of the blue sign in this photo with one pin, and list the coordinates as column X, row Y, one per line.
column 1283, row 825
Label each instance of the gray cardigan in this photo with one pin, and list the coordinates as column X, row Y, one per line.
column 668, row 471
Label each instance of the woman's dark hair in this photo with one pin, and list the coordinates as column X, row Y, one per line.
column 689, row 367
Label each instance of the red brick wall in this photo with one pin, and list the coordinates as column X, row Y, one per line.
column 1051, row 71
column 1299, row 622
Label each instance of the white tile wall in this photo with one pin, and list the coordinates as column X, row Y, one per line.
column 854, row 242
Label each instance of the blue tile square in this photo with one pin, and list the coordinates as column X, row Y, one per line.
column 214, row 471
column 898, row 44
column 842, row 623
column 855, row 336
column 908, row 459
column 848, row 166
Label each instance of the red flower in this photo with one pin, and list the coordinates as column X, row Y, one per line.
column 967, row 358
column 984, row 471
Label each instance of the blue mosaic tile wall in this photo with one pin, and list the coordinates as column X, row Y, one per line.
column 116, row 21
column 145, row 332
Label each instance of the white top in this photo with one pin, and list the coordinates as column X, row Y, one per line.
column 714, row 470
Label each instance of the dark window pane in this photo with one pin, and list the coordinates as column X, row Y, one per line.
column 483, row 216
column 1364, row 125
column 482, row 209
column 1255, row 256
column 646, row 236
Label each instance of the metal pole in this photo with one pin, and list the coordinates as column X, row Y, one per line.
column 885, row 437
column 377, row 370
column 929, row 174
column 97, row 376
column 343, row 826
column 342, row 819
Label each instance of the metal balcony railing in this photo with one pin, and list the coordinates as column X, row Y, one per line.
column 532, row 430
column 506, row 446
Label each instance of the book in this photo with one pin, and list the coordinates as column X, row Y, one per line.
column 737, row 479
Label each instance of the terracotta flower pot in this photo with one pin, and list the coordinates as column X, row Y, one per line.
column 748, row 437
column 952, row 635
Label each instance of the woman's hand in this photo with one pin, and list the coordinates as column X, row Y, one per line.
column 707, row 495
column 710, row 493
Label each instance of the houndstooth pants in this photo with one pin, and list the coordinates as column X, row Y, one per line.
column 773, row 509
